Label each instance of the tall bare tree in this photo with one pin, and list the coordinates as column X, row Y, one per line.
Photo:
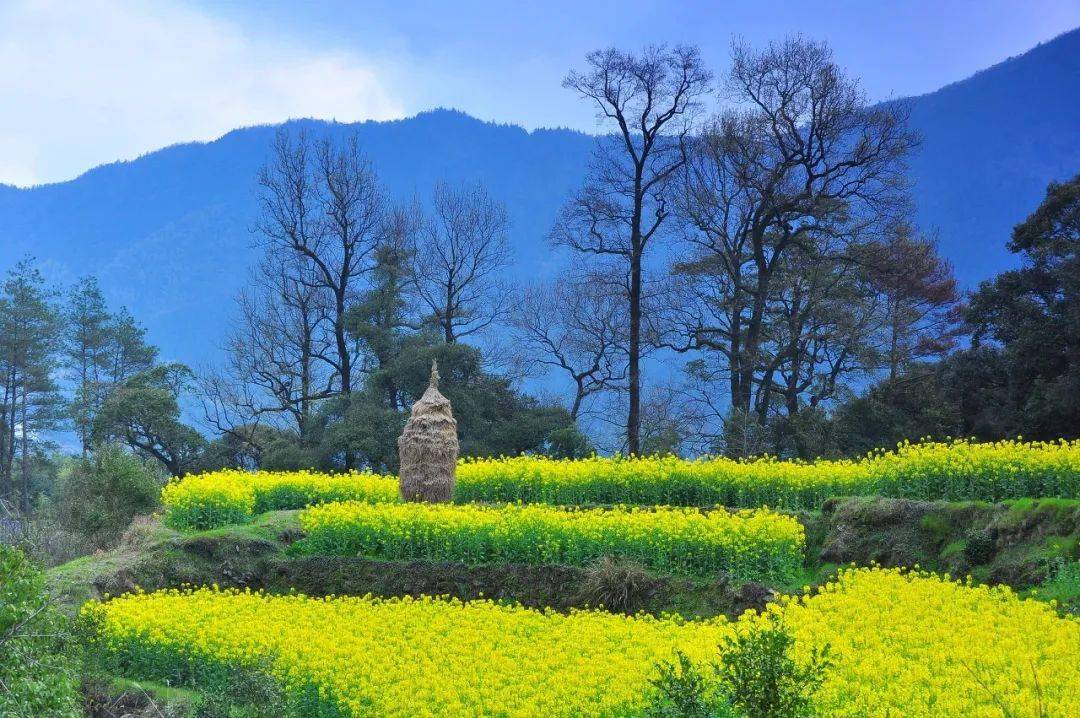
column 795, row 173
column 278, row 356
column 458, row 255
column 648, row 101
column 576, row 326
column 322, row 202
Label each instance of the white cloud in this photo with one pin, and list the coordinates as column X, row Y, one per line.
column 88, row 82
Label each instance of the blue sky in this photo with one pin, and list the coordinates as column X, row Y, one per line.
column 97, row 80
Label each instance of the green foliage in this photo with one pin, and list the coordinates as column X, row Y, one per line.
column 30, row 403
column 909, row 407
column 100, row 350
column 102, row 493
column 243, row 693
column 37, row 678
column 1062, row 584
column 257, row 446
column 1025, row 357
column 683, row 692
column 144, row 413
column 979, row 545
column 493, row 418
column 762, row 678
column 756, row 677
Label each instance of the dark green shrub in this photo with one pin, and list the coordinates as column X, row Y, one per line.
column 683, row 692
column 979, row 546
column 101, row 494
column 243, row 693
column 761, row 677
column 756, row 677
column 37, row 667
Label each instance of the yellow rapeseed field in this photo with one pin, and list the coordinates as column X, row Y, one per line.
column 911, row 645
column 233, row 496
column 958, row 470
column 749, row 544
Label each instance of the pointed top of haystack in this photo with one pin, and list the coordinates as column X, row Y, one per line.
column 432, row 402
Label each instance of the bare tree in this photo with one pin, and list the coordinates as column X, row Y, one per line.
column 459, row 253
column 799, row 170
column 670, row 424
column 649, row 101
column 822, row 335
column 323, row 204
column 576, row 326
column 278, row 356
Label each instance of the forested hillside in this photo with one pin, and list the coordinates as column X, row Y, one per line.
column 167, row 234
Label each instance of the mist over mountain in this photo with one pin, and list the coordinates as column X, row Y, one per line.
column 169, row 234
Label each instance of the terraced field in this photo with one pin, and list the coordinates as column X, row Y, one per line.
column 902, row 641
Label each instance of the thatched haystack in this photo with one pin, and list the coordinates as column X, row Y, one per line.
column 428, row 447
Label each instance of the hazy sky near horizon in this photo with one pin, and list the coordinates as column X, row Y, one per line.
column 88, row 82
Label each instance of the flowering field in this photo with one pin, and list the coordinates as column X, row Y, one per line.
column 953, row 471
column 222, row 497
column 949, row 471
column 749, row 544
column 904, row 644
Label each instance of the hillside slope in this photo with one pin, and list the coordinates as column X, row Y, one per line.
column 169, row 234
column 991, row 143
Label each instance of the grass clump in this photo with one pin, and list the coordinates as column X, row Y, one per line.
column 617, row 584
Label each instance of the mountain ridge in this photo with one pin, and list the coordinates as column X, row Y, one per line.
column 169, row 233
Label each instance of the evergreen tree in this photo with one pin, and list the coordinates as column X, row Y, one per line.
column 30, row 405
column 86, row 353
column 1026, row 327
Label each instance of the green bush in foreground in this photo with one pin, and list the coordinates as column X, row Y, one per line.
column 756, row 677
column 37, row 678
column 101, row 494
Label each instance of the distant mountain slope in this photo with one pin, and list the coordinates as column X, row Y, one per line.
column 991, row 143
column 169, row 235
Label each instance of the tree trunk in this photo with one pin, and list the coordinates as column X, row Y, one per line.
column 25, row 458
column 633, row 417
column 448, row 315
column 344, row 360
column 579, row 396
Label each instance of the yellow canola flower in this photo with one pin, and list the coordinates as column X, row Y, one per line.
column 747, row 544
column 212, row 499
column 904, row 644
column 957, row 470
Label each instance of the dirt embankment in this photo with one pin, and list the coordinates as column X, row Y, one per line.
column 1014, row 543
column 259, row 557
